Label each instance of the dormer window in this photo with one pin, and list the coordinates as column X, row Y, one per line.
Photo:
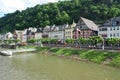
column 80, row 27
column 114, row 23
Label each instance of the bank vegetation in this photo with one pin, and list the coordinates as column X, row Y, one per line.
column 111, row 58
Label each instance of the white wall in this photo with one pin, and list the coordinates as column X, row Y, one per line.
column 38, row 35
column 57, row 35
column 114, row 31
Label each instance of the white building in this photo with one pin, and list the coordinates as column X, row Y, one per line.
column 110, row 29
column 21, row 35
column 2, row 36
column 38, row 33
column 46, row 31
column 6, row 36
column 57, row 32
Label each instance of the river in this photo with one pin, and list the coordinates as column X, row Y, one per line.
column 31, row 66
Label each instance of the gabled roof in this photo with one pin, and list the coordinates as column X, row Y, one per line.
column 58, row 28
column 47, row 28
column 115, row 21
column 39, row 30
column 90, row 24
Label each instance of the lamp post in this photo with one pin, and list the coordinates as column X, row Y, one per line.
column 64, row 35
column 103, row 41
column 77, row 36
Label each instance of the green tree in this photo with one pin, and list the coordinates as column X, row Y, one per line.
column 113, row 12
column 65, row 17
column 53, row 41
column 83, row 41
column 113, row 41
column 95, row 39
column 31, row 40
column 69, row 41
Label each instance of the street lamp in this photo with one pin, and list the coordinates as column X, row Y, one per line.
column 103, row 41
column 77, row 37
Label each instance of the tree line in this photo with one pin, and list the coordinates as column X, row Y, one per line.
column 92, row 41
column 61, row 12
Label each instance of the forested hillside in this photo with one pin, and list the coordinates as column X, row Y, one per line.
column 60, row 13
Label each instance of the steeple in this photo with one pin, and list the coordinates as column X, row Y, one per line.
column 73, row 24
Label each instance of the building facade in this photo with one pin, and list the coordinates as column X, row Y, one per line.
column 110, row 29
column 20, row 35
column 69, row 31
column 58, row 32
column 85, row 28
column 46, row 32
column 38, row 33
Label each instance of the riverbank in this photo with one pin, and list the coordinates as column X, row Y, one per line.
column 96, row 56
column 10, row 52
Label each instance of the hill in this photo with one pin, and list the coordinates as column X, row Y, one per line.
column 60, row 13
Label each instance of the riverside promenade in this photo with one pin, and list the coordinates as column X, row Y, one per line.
column 10, row 52
column 109, row 49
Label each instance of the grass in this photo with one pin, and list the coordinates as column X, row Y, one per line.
column 96, row 56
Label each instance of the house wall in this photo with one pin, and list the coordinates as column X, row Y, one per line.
column 20, row 36
column 86, row 33
column 38, row 35
column 69, row 34
column 83, row 33
column 57, row 35
column 2, row 36
column 76, row 34
column 109, row 32
column 24, row 38
column 46, row 34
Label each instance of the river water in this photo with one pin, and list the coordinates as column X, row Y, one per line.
column 31, row 66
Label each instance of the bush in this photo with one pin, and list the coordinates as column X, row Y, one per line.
column 31, row 41
column 95, row 56
column 115, row 61
column 54, row 50
column 39, row 49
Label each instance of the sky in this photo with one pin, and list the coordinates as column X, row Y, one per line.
column 9, row 6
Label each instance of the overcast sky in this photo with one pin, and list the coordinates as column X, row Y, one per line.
column 9, row 6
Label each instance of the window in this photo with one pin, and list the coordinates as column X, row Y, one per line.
column 114, row 34
column 114, row 23
column 111, row 29
column 104, row 35
column 55, row 36
column 104, row 29
column 117, row 34
column 111, row 35
column 117, row 28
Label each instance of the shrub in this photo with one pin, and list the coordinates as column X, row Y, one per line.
column 115, row 61
column 54, row 50
column 31, row 40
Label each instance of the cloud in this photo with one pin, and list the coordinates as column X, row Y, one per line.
column 11, row 5
column 8, row 6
